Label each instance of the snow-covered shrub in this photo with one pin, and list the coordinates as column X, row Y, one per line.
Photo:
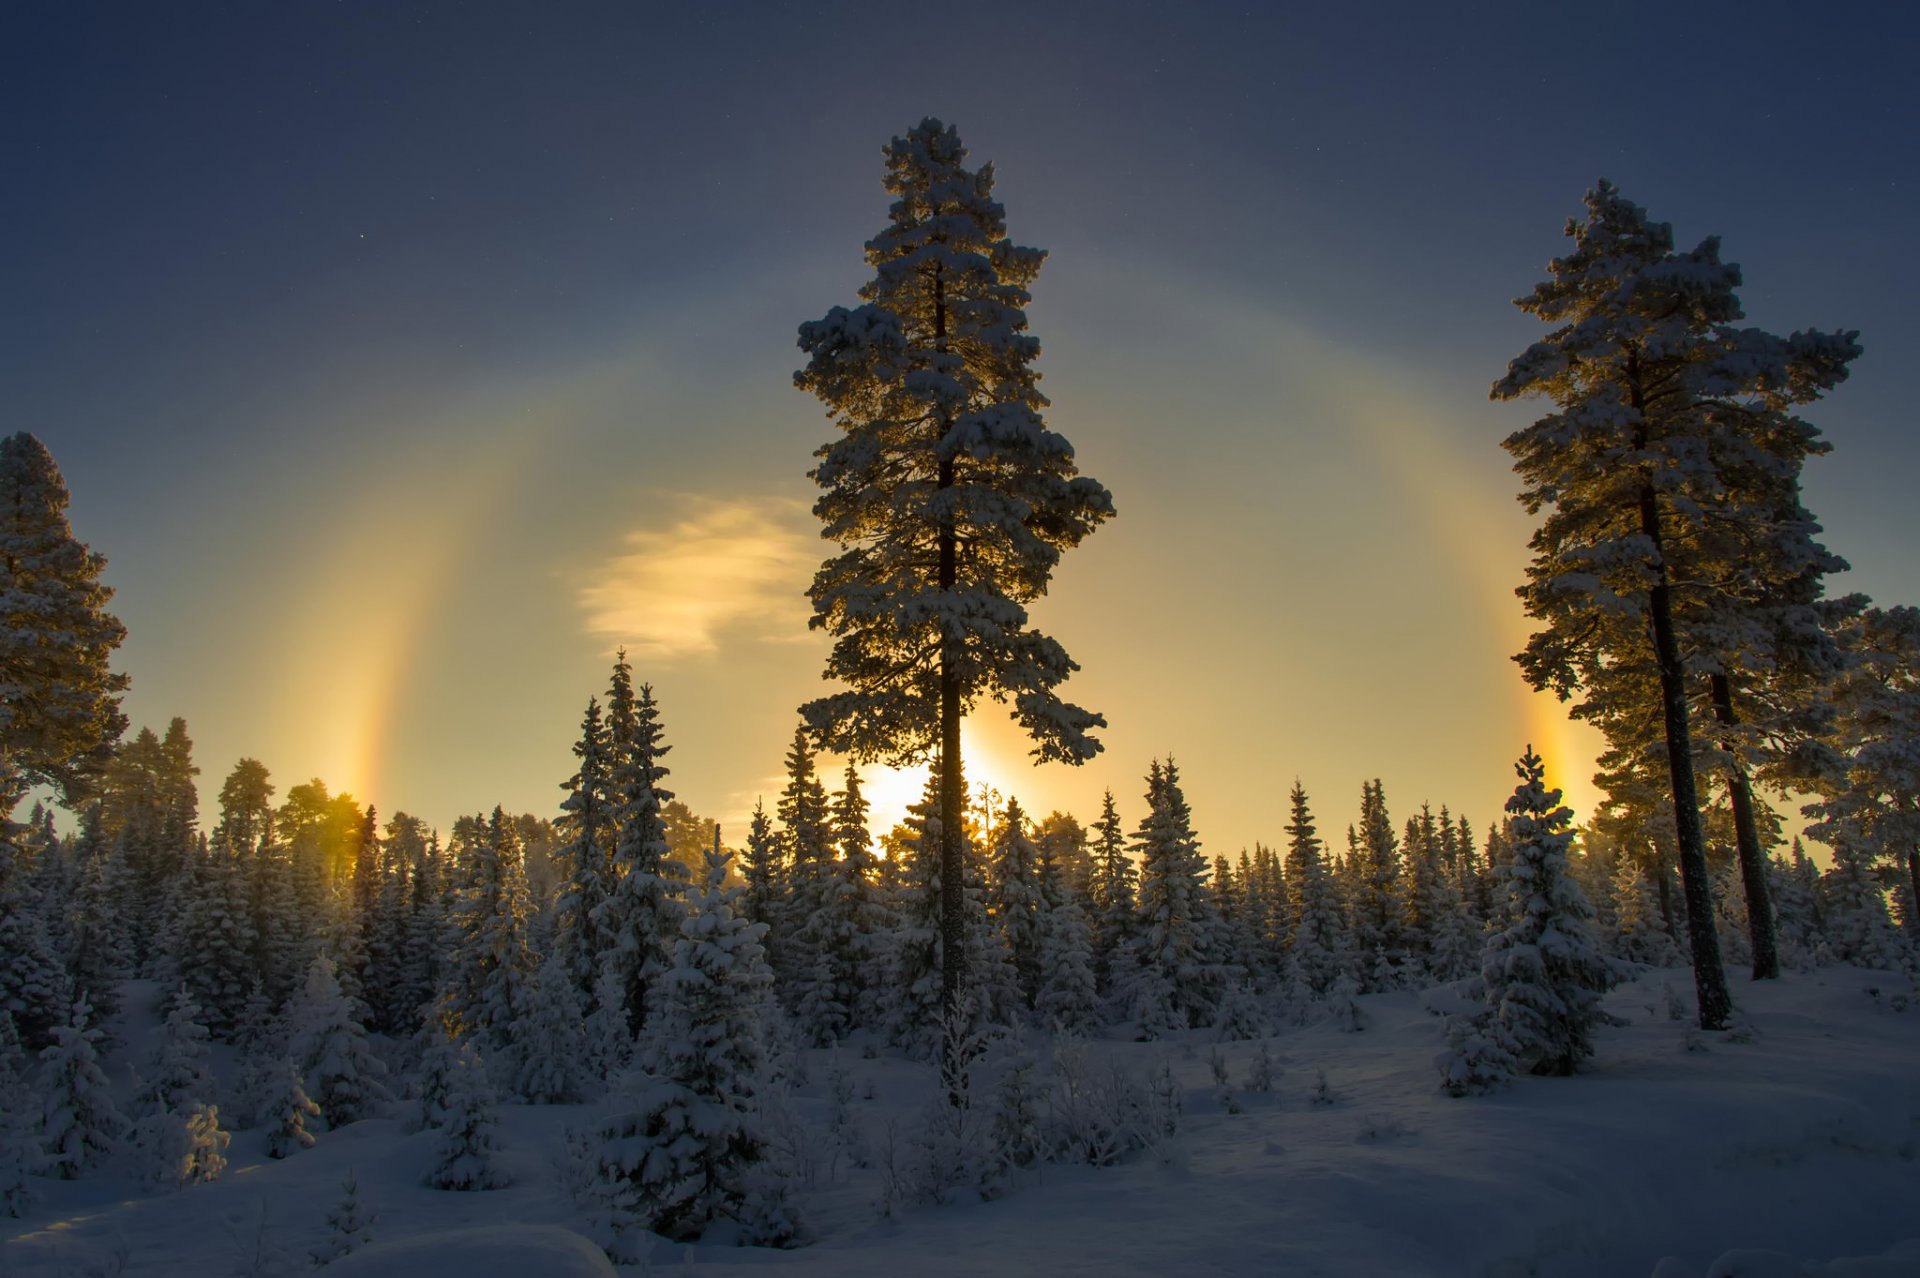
column 1476, row 1060
column 80, row 1124
column 287, row 1112
column 689, row 1139
column 465, row 1119
column 349, row 1224
column 325, row 1038
column 1263, row 1071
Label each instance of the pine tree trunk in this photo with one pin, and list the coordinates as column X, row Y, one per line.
column 1709, row 979
column 1753, row 866
column 1913, row 882
column 953, row 796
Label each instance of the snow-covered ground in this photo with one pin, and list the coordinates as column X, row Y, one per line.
column 1800, row 1142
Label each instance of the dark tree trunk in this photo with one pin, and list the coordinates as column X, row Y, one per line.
column 953, row 794
column 1913, row 885
column 1746, row 835
column 1709, row 979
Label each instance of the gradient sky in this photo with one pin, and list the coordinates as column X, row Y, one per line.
column 405, row 358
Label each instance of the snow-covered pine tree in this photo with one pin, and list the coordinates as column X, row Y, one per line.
column 549, row 1039
column 1869, row 796
column 179, row 1130
column 1114, row 892
column 852, row 921
column 910, row 1006
column 1015, row 899
column 1854, row 904
column 329, row 1045
column 931, row 381
column 20, row 1155
column 489, row 963
column 33, row 982
column 1069, row 996
column 1178, row 942
column 1381, row 909
column 642, row 913
column 1639, row 933
column 764, row 869
column 691, row 1148
column 217, row 958
column 586, row 824
column 1427, row 900
column 1543, row 974
column 349, row 1224
column 806, row 836
column 1316, row 945
column 1665, row 410
column 180, row 1072
column 465, row 1118
column 288, row 1112
column 80, row 1124
column 59, row 701
column 425, row 930
column 97, row 956
column 1795, row 891
column 1730, row 914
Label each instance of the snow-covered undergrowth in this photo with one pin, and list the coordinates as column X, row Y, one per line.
column 1795, row 1147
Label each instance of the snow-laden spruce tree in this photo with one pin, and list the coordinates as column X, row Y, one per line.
column 1015, row 899
column 1382, row 911
column 489, row 963
column 217, row 954
column 20, row 1155
column 349, row 1224
column 949, row 497
column 690, row 1148
column 328, row 1043
column 465, row 1117
column 1316, row 933
column 763, row 867
column 549, row 1039
column 1114, row 887
column 1639, row 933
column 288, row 1112
column 641, row 914
column 1661, row 475
column 586, row 822
column 909, row 1005
column 80, row 1124
column 1544, row 975
column 179, row 1125
column 34, row 988
column 1869, row 797
column 1069, row 995
column 59, row 701
column 1179, row 948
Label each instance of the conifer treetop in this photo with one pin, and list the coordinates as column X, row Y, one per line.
column 949, row 497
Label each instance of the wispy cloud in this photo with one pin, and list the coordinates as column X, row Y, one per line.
column 721, row 567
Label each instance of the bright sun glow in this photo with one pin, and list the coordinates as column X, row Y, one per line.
column 891, row 791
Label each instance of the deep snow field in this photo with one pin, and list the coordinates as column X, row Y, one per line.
column 1673, row 1151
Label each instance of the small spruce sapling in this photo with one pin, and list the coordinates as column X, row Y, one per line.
column 80, row 1123
column 465, row 1120
column 349, row 1224
column 288, row 1113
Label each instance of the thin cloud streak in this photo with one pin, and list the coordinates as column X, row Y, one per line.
column 722, row 568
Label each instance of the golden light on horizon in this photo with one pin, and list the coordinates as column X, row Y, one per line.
column 890, row 791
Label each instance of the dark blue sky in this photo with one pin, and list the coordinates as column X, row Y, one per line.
column 276, row 274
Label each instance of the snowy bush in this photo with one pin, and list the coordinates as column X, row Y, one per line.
column 689, row 1139
column 80, row 1124
column 349, row 1226
column 287, row 1112
column 465, row 1119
